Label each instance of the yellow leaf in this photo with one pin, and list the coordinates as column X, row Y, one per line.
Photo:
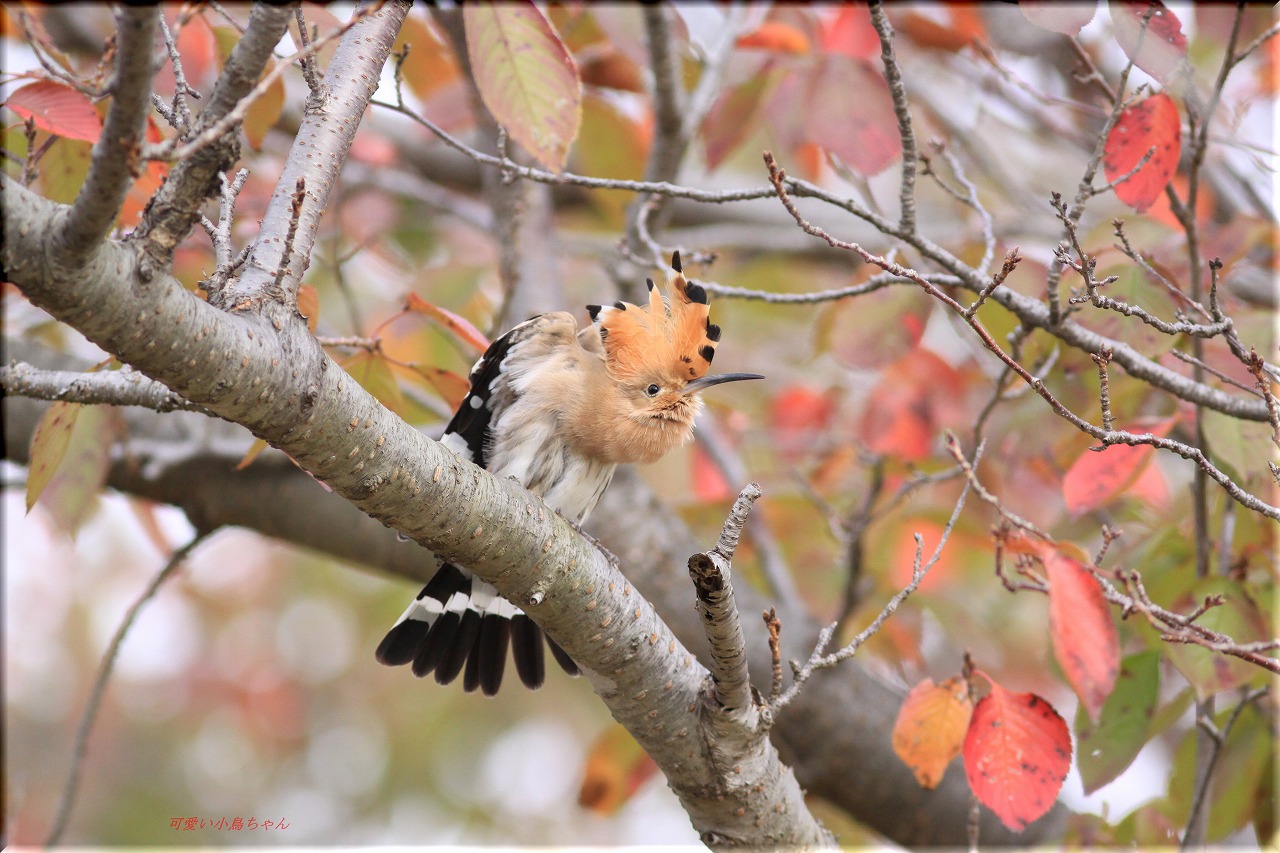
column 931, row 726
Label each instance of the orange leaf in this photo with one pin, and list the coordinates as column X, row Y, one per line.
column 1149, row 124
column 68, row 493
column 1016, row 755
column 57, row 108
column 616, row 768
column 947, row 26
column 309, row 306
column 461, row 328
column 930, row 729
column 451, row 387
column 526, row 77
column 1098, row 476
column 1084, row 636
column 48, row 446
column 430, row 65
column 777, row 37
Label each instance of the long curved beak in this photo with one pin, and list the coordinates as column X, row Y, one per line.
column 720, row 378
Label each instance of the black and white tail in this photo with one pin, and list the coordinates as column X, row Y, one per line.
column 460, row 624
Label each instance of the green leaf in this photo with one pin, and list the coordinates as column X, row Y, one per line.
column 1211, row 672
column 1247, row 757
column 1106, row 748
column 1242, row 446
column 526, row 77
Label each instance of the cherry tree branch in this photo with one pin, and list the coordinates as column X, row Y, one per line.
column 116, row 157
column 123, row 387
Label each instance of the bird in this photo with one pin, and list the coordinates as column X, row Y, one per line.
column 558, row 409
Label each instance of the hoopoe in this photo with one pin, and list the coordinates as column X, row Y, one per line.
column 558, row 409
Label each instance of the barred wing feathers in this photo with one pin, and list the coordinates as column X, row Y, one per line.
column 459, row 624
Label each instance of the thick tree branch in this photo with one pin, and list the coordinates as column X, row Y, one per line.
column 319, row 150
column 174, row 208
column 116, row 155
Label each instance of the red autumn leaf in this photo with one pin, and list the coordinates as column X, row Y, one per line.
column 1065, row 18
column 1149, row 125
column 777, row 37
column 850, row 32
column 58, row 109
column 931, row 727
column 858, row 123
column 1160, row 49
column 1085, row 641
column 731, row 118
column 709, row 483
column 1016, row 755
column 798, row 417
column 1151, row 487
column 1098, row 476
column 915, row 397
column 460, row 327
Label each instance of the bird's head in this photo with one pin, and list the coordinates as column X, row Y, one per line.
column 658, row 356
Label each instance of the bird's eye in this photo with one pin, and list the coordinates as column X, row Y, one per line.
column 652, row 390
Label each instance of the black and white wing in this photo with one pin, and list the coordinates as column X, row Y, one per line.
column 459, row 622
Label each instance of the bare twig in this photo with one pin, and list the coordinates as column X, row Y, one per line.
column 123, row 387
column 1011, row 261
column 169, row 149
column 819, row 659
column 774, row 625
column 1194, row 454
column 179, row 113
column 1218, row 739
column 902, row 109
column 220, row 234
column 310, row 69
column 67, row 801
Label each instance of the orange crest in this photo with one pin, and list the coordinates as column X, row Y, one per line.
column 669, row 338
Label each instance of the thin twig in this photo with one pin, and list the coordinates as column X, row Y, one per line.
column 819, row 660
column 169, row 150
column 81, row 743
column 902, row 110
column 1218, row 739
